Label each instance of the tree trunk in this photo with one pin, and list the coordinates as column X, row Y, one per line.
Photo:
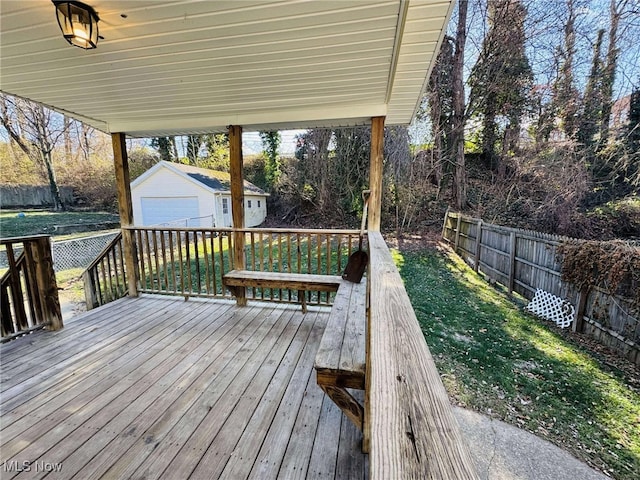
column 592, row 97
column 47, row 160
column 608, row 76
column 565, row 95
column 457, row 131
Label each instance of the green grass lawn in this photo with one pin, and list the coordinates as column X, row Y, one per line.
column 496, row 359
column 37, row 222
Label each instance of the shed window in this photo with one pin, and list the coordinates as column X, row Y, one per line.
column 248, row 203
column 258, row 203
column 225, row 206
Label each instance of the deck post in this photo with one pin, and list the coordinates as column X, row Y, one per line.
column 40, row 250
column 237, row 204
column 125, row 208
column 375, row 208
column 375, row 172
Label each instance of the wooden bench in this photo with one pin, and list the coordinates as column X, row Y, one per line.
column 340, row 361
column 237, row 280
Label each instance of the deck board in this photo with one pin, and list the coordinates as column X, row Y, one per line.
column 156, row 387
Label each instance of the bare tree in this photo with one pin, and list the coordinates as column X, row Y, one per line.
column 36, row 130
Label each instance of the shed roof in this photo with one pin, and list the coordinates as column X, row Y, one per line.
column 213, row 180
column 167, row 67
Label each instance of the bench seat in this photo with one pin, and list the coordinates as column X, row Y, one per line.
column 237, row 280
column 293, row 281
column 340, row 361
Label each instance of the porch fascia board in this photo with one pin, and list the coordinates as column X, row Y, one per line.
column 330, row 116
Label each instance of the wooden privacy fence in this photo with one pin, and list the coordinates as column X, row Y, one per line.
column 191, row 261
column 524, row 260
column 28, row 289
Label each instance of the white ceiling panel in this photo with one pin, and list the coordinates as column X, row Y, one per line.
column 201, row 65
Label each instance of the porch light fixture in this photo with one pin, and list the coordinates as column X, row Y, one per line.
column 78, row 22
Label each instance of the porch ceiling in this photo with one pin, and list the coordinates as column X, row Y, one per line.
column 172, row 67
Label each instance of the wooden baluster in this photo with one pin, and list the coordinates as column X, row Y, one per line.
column 289, row 258
column 339, row 253
column 271, row 261
column 123, row 269
column 103, row 272
column 319, row 255
column 110, row 278
column 187, row 246
column 252, row 239
column 114, row 259
column 149, row 260
column 261, row 251
column 36, row 307
column 163, row 248
column 156, row 259
column 279, row 261
column 221, row 252
column 197, row 255
column 319, row 264
column 213, row 264
column 172, row 259
column 6, row 321
column 16, row 290
column 141, row 253
column 308, row 262
column 180, row 261
column 206, row 263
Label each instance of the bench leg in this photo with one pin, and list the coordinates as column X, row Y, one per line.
column 349, row 405
column 303, row 300
column 239, row 293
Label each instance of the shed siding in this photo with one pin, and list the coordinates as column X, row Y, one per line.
column 255, row 215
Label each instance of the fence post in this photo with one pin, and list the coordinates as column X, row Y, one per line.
column 457, row 240
column 578, row 319
column 478, row 245
column 444, row 224
column 512, row 261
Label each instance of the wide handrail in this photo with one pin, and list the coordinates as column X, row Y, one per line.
column 408, row 417
column 27, row 238
column 28, row 290
column 104, row 251
column 319, row 231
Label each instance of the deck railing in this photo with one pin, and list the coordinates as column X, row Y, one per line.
column 28, row 289
column 191, row 262
column 408, row 418
column 105, row 279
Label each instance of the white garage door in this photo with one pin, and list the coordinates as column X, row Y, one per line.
column 159, row 210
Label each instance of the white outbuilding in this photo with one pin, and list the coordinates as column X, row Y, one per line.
column 172, row 194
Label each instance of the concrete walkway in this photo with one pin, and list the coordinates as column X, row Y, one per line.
column 504, row 452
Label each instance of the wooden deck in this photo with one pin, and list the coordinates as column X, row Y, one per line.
column 156, row 387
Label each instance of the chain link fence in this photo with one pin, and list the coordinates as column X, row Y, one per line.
column 76, row 253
